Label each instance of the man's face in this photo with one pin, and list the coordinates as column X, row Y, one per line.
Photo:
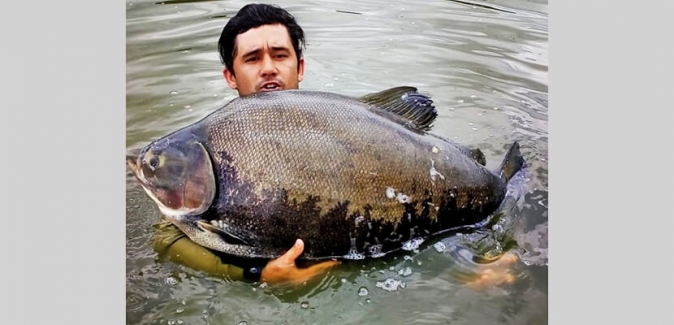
column 265, row 61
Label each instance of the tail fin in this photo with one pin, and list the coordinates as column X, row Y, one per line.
column 512, row 162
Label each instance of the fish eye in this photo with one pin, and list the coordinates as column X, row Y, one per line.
column 154, row 162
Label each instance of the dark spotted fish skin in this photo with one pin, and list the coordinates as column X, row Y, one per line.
column 326, row 168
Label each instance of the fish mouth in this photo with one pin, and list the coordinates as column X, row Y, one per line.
column 270, row 86
column 132, row 162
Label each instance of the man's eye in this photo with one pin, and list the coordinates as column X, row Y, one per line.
column 251, row 59
column 281, row 56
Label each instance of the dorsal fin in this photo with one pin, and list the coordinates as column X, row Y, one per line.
column 404, row 105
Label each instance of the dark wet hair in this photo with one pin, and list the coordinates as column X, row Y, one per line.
column 253, row 16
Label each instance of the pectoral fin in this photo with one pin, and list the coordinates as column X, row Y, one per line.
column 227, row 236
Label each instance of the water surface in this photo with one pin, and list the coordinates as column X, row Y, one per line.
column 485, row 66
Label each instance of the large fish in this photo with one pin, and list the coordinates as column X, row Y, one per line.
column 352, row 177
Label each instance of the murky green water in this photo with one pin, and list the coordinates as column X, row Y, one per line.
column 487, row 71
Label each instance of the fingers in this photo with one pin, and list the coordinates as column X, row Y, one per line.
column 306, row 274
column 494, row 273
column 291, row 255
column 283, row 269
column 322, row 266
column 296, row 250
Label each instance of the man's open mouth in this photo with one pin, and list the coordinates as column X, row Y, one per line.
column 270, row 86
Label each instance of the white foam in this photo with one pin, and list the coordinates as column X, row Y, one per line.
column 440, row 247
column 412, row 244
column 405, row 272
column 391, row 284
column 375, row 250
column 354, row 255
column 353, row 252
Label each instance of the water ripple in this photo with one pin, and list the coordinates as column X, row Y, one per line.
column 487, row 71
column 135, row 302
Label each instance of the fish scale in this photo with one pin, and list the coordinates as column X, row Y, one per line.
column 305, row 164
column 342, row 179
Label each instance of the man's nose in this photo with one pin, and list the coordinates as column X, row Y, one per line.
column 268, row 67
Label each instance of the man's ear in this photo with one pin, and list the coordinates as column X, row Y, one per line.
column 300, row 70
column 230, row 78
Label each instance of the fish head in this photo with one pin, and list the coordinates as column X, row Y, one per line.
column 177, row 174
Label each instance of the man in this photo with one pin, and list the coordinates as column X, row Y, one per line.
column 261, row 48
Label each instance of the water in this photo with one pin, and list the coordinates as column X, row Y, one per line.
column 487, row 71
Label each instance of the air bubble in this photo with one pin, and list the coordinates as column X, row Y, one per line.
column 362, row 291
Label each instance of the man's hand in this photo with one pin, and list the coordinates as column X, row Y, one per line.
column 283, row 270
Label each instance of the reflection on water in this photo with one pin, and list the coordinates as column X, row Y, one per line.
column 485, row 66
